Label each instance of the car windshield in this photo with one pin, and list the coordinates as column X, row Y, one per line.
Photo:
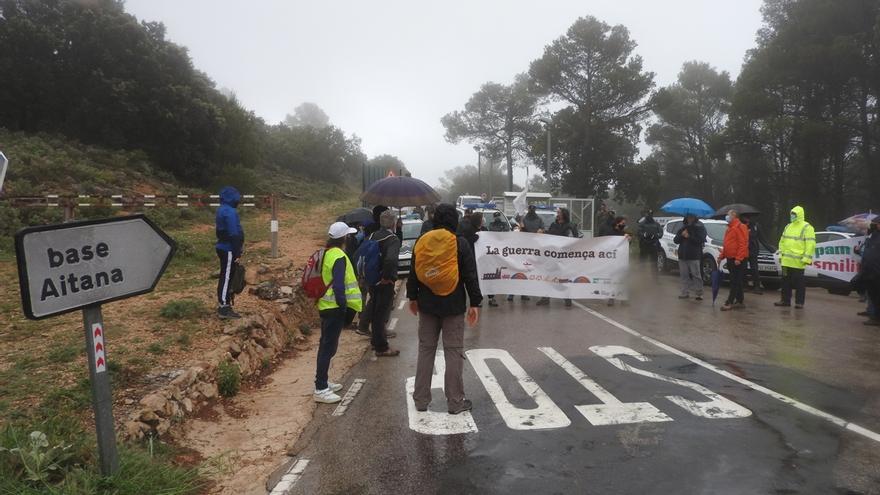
column 715, row 231
column 411, row 230
column 489, row 217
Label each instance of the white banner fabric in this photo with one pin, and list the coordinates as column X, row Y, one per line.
column 838, row 259
column 540, row 265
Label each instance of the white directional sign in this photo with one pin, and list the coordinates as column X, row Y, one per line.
column 70, row 266
column 4, row 164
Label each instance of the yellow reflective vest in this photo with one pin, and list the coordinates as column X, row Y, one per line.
column 798, row 242
column 352, row 290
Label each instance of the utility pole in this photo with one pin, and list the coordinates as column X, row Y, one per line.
column 479, row 169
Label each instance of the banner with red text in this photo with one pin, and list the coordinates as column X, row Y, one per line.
column 546, row 265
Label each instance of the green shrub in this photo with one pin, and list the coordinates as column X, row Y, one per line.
column 63, row 354
column 182, row 308
column 228, row 379
column 165, row 218
column 156, row 348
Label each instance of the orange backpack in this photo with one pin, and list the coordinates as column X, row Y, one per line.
column 436, row 255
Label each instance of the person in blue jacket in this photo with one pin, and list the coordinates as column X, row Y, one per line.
column 230, row 241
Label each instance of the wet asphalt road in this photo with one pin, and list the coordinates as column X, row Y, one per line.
column 539, row 441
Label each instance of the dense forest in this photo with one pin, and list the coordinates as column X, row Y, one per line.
column 798, row 126
column 91, row 72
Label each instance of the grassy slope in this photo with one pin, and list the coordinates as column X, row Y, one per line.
column 43, row 373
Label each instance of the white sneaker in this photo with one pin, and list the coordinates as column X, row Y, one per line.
column 334, row 387
column 326, row 396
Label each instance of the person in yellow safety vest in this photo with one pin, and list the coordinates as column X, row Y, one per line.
column 796, row 248
column 337, row 307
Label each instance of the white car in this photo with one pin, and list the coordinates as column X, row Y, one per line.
column 667, row 257
column 813, row 278
column 488, row 216
column 411, row 230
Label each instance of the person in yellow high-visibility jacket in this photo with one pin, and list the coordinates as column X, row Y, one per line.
column 796, row 248
column 337, row 307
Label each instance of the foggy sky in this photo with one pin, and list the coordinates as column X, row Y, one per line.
column 389, row 70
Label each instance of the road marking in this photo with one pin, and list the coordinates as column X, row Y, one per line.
column 391, row 324
column 754, row 386
column 436, row 423
column 402, row 304
column 612, row 411
column 717, row 407
column 546, row 416
column 353, row 390
column 290, row 478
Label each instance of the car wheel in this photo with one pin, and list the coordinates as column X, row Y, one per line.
column 707, row 266
column 662, row 262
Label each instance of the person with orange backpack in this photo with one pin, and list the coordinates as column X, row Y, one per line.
column 337, row 307
column 443, row 284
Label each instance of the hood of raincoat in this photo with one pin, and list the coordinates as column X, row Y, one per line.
column 230, row 196
column 799, row 213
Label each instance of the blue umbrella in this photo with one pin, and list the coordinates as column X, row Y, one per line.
column 400, row 191
column 688, row 206
column 716, row 284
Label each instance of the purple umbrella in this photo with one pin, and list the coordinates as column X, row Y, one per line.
column 400, row 191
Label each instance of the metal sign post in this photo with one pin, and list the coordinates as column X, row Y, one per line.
column 81, row 265
column 273, row 227
column 102, row 398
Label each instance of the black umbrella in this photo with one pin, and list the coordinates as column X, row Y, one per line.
column 741, row 208
column 400, row 191
column 357, row 216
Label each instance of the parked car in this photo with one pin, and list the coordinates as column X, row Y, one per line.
column 812, row 275
column 410, row 230
column 488, row 211
column 667, row 257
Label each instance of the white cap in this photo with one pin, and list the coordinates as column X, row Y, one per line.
column 339, row 230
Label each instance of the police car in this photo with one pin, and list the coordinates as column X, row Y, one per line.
column 667, row 256
column 488, row 211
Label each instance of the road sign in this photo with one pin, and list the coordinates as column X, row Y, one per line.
column 4, row 164
column 62, row 268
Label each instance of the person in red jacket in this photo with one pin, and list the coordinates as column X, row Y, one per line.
column 736, row 252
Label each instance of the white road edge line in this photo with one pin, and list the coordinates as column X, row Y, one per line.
column 349, row 396
column 290, row 478
column 402, row 304
column 754, row 386
column 392, row 323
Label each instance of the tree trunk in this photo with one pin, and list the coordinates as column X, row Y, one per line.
column 508, row 149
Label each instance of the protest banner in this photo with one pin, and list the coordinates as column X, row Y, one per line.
column 837, row 259
column 545, row 265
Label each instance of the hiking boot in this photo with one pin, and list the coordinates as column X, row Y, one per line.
column 863, row 313
column 226, row 313
column 781, row 304
column 544, row 301
column 684, row 296
column 493, row 303
column 465, row 405
column 699, row 298
column 334, row 387
column 568, row 303
column 739, row 305
column 388, row 353
column 365, row 333
column 727, row 307
column 798, row 306
column 421, row 408
column 326, row 396
column 510, row 298
column 390, row 335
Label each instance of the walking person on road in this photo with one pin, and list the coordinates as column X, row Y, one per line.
column 337, row 307
column 754, row 248
column 230, row 242
column 871, row 239
column 691, row 238
column 616, row 227
column 442, row 288
column 365, row 318
column 561, row 227
column 796, row 248
column 649, row 234
column 382, row 294
column 736, row 252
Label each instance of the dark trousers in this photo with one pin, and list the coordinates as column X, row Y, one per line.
column 874, row 299
column 754, row 272
column 224, row 287
column 366, row 318
column 793, row 277
column 737, row 278
column 332, row 321
column 648, row 258
column 382, row 298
